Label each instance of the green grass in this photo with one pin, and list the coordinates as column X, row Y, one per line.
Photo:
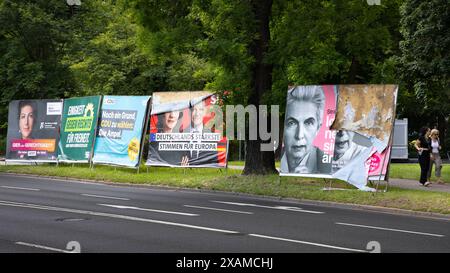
column 232, row 181
column 397, row 170
column 412, row 171
column 242, row 163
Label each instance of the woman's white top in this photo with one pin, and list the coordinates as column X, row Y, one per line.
column 434, row 146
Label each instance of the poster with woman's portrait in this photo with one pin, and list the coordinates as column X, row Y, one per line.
column 33, row 130
column 332, row 131
column 308, row 143
column 185, row 131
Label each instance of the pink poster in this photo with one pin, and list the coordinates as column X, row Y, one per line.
column 376, row 163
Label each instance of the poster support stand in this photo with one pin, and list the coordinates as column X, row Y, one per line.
column 329, row 187
column 391, row 137
column 144, row 133
column 91, row 153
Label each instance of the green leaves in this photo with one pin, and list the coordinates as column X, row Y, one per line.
column 425, row 58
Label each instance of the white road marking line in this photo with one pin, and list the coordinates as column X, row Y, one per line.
column 307, row 243
column 18, row 188
column 110, row 215
column 151, row 210
column 106, row 197
column 391, row 229
column 296, row 209
column 43, row 247
column 226, row 210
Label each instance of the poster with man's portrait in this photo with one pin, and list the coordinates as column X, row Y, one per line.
column 185, row 131
column 33, row 130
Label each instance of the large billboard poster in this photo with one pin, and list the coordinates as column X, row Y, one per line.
column 120, row 130
column 78, row 126
column 308, row 143
column 33, row 130
column 185, row 131
column 320, row 143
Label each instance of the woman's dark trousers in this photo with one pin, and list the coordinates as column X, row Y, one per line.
column 424, row 161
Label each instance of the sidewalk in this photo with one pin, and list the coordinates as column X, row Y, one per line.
column 398, row 183
column 415, row 185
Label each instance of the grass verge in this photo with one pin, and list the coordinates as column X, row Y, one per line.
column 412, row 171
column 232, row 181
column 397, row 170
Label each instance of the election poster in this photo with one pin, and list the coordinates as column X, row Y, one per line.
column 120, row 130
column 368, row 110
column 186, row 130
column 33, row 130
column 378, row 165
column 78, row 126
column 314, row 146
column 308, row 143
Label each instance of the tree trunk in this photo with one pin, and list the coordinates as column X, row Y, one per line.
column 257, row 161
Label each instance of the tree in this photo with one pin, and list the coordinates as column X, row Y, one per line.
column 258, row 48
column 233, row 36
column 425, row 59
column 32, row 42
column 105, row 58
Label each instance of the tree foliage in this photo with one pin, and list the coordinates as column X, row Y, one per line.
column 249, row 51
column 425, row 60
column 32, row 43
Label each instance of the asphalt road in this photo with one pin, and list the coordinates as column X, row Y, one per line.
column 44, row 215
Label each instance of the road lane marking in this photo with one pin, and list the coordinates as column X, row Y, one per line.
column 18, row 188
column 106, row 197
column 151, row 210
column 116, row 216
column 391, row 229
column 296, row 209
column 307, row 243
column 43, row 247
column 226, row 210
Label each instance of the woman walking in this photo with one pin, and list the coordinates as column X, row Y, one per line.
column 435, row 156
column 423, row 148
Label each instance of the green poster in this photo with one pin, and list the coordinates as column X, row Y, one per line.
column 79, row 121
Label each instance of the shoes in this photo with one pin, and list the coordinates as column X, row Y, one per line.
column 426, row 184
column 440, row 181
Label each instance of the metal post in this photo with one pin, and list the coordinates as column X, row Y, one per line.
column 391, row 137
column 240, row 148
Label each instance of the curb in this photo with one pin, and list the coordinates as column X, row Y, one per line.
column 359, row 207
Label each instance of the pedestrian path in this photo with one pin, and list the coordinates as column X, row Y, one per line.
column 415, row 185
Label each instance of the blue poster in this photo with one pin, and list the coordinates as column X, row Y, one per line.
column 120, row 130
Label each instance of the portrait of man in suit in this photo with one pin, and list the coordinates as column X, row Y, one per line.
column 345, row 149
column 199, row 157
